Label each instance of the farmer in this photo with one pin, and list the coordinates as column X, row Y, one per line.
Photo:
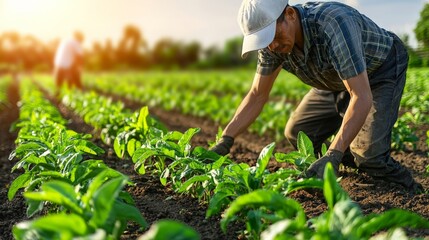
column 68, row 62
column 357, row 73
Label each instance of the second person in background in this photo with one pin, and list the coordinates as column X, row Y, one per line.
column 68, row 62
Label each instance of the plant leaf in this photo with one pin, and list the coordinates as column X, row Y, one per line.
column 104, row 198
column 263, row 198
column 191, row 181
column 57, row 192
column 142, row 120
column 60, row 224
column 186, row 138
column 170, row 229
column 331, row 189
column 128, row 212
column 21, row 181
column 390, row 219
column 217, row 202
column 264, row 158
column 305, row 146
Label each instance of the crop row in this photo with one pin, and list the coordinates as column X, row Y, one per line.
column 223, row 92
column 249, row 193
column 219, row 83
column 416, row 95
column 72, row 194
column 237, row 82
column 218, row 108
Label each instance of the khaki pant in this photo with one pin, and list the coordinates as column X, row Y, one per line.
column 319, row 115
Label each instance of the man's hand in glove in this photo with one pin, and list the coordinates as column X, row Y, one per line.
column 223, row 146
column 317, row 168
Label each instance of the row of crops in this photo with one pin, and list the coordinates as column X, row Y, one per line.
column 216, row 95
column 213, row 95
column 70, row 194
column 80, row 196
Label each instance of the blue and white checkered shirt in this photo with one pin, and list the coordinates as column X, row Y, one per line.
column 339, row 43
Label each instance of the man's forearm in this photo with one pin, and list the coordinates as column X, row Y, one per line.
column 353, row 121
column 252, row 104
column 247, row 112
column 357, row 111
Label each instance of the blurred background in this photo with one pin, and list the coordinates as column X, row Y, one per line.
column 164, row 34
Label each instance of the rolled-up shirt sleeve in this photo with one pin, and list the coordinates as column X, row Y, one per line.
column 267, row 62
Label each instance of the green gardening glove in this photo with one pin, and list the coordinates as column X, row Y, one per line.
column 317, row 168
column 223, row 146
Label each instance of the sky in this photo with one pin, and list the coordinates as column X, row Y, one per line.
column 209, row 22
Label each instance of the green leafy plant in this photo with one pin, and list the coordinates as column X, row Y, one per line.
column 102, row 207
column 239, row 179
column 287, row 180
column 154, row 153
column 60, row 178
column 54, row 154
column 303, row 157
column 403, row 135
column 170, row 229
column 131, row 136
column 260, row 208
column 269, row 215
column 199, row 174
column 45, row 148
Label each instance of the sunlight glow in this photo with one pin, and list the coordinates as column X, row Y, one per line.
column 23, row 6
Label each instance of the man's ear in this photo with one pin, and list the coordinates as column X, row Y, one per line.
column 290, row 13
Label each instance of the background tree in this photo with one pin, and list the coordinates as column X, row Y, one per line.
column 164, row 53
column 229, row 56
column 21, row 52
column 190, row 54
column 422, row 35
column 168, row 53
column 131, row 47
column 10, row 49
column 422, row 27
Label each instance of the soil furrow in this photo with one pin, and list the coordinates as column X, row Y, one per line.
column 158, row 202
column 11, row 212
column 155, row 201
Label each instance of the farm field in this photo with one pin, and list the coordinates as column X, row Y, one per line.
column 206, row 100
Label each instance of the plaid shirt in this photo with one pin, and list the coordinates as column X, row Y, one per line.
column 339, row 43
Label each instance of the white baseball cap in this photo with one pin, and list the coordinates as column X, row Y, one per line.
column 257, row 20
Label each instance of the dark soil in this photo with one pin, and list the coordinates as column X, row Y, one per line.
column 11, row 212
column 158, row 202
